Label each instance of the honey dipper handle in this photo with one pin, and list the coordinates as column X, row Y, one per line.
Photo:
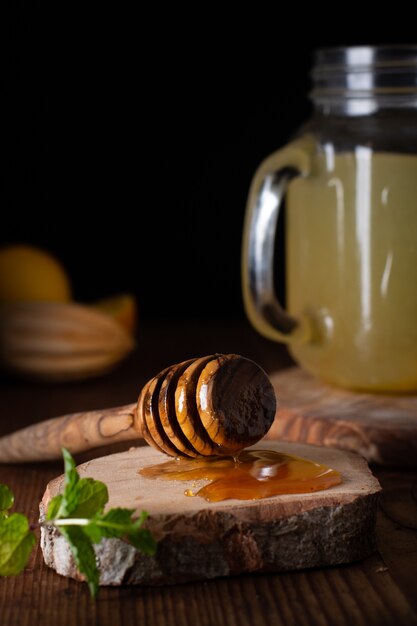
column 76, row 432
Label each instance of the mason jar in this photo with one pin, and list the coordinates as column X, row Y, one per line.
column 349, row 178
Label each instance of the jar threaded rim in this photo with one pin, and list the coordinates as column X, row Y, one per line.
column 361, row 79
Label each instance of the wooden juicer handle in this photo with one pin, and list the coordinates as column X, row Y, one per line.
column 214, row 405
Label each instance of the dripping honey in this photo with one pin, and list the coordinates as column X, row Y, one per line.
column 251, row 475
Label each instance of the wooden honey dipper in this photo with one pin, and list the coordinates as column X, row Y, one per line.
column 214, row 405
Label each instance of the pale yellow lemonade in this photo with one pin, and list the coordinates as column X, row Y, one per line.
column 352, row 267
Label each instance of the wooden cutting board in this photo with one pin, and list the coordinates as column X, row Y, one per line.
column 202, row 540
column 380, row 427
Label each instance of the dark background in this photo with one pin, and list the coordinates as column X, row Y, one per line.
column 132, row 144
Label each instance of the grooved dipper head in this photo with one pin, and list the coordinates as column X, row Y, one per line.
column 214, row 405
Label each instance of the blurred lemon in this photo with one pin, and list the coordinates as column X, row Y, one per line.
column 28, row 273
column 122, row 308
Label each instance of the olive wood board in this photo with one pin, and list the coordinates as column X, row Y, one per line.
column 200, row 540
column 380, row 427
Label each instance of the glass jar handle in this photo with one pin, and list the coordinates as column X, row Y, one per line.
column 266, row 194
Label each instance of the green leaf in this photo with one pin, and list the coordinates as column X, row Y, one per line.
column 16, row 543
column 138, row 522
column 69, row 466
column 94, row 532
column 69, row 499
column 82, row 497
column 118, row 523
column 6, row 498
column 81, row 504
column 78, row 514
column 91, row 495
column 143, row 540
column 115, row 523
column 84, row 555
column 53, row 507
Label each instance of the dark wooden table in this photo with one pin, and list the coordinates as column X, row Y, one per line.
column 380, row 590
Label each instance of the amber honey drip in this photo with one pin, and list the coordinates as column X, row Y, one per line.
column 251, row 475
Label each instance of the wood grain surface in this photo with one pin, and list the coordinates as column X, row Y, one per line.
column 379, row 590
column 202, row 540
column 380, row 427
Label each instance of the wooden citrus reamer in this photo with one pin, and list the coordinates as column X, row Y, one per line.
column 214, row 405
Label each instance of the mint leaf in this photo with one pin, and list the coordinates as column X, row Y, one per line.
column 84, row 555
column 93, row 531
column 6, row 498
column 82, row 497
column 143, row 541
column 16, row 538
column 92, row 495
column 54, row 507
column 71, row 474
column 114, row 523
column 118, row 522
column 70, row 496
column 16, row 543
column 79, row 514
column 142, row 538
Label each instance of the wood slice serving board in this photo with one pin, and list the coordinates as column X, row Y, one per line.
column 382, row 428
column 201, row 540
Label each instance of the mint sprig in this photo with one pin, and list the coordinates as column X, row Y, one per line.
column 6, row 499
column 84, row 555
column 16, row 538
column 78, row 514
column 82, row 497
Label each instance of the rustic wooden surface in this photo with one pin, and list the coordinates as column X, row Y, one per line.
column 281, row 533
column 377, row 591
column 383, row 428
